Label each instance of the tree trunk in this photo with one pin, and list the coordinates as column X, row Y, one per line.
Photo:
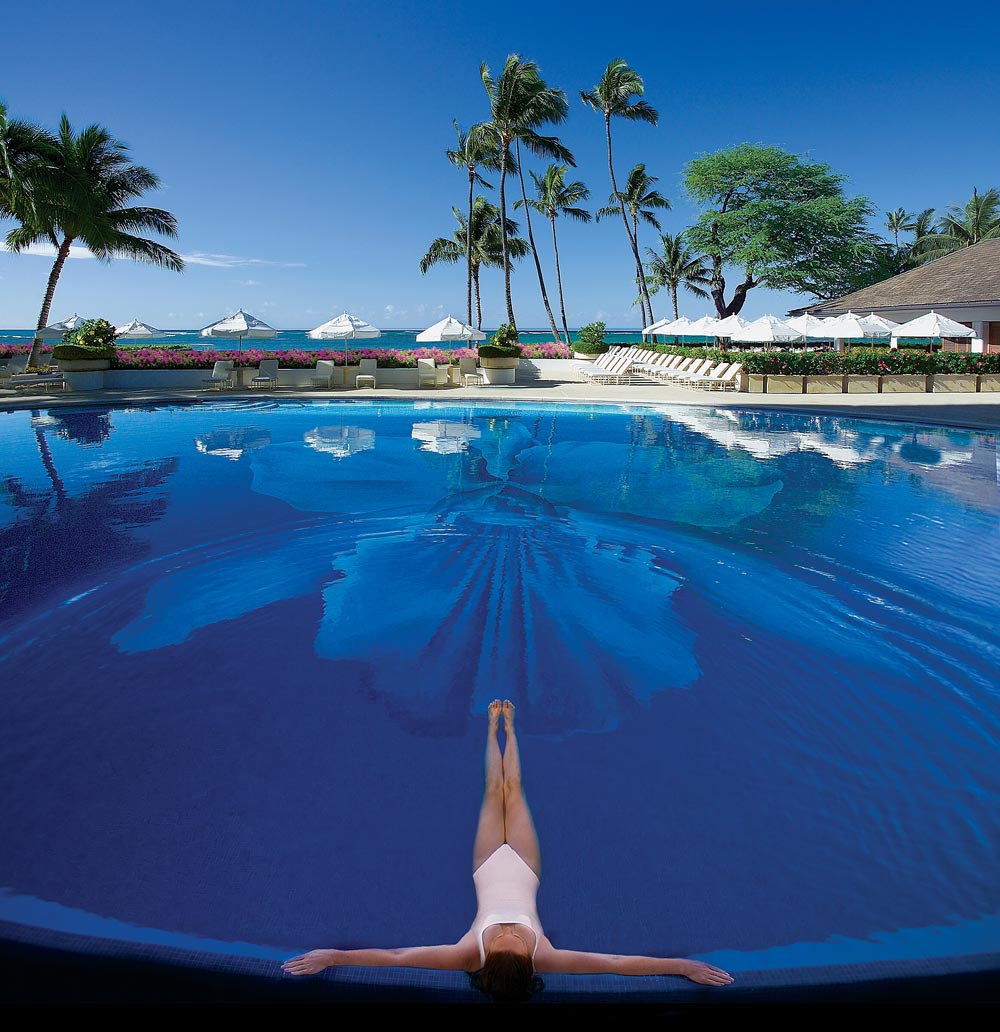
column 468, row 252
column 58, row 487
column 534, row 251
column 503, row 233
column 718, row 288
column 643, row 288
column 740, row 296
column 61, row 255
column 562, row 302
column 479, row 307
column 673, row 298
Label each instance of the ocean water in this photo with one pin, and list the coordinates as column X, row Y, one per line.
column 298, row 339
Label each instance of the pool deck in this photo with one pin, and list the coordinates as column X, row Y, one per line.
column 975, row 411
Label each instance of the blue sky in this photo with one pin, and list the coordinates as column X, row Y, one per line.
column 301, row 145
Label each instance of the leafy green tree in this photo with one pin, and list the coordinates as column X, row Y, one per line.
column 555, row 197
column 520, row 104
column 898, row 221
column 475, row 149
column 483, row 230
column 962, row 227
column 641, row 200
column 675, row 266
column 785, row 224
column 618, row 95
column 84, row 196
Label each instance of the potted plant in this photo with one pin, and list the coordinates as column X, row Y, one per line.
column 89, row 347
column 590, row 342
column 499, row 355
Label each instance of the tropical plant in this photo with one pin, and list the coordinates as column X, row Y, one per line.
column 962, row 227
column 785, row 223
column 503, row 343
column 84, row 196
column 555, row 197
column 617, row 95
column 94, row 339
column 475, row 149
column 898, row 221
column 520, row 104
column 487, row 246
column 24, row 148
column 591, row 339
column 641, row 200
column 924, row 235
column 675, row 266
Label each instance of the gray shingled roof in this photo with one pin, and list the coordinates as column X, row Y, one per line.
column 968, row 276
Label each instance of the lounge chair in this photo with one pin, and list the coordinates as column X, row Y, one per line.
column 266, row 375
column 33, row 382
column 366, row 373
column 429, row 374
column 16, row 365
column 699, row 367
column 322, row 375
column 469, row 374
column 222, row 376
column 619, row 370
column 726, row 380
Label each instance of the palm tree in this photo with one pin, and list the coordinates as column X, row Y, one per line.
column 520, row 104
column 483, row 230
column 616, row 96
column 640, row 199
column 897, row 222
column 475, row 149
column 924, row 235
column 556, row 197
column 24, row 148
column 962, row 227
column 674, row 266
column 85, row 199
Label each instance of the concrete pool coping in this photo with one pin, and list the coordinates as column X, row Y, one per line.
column 46, row 965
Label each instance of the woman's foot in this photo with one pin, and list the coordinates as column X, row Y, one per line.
column 508, row 716
column 493, row 712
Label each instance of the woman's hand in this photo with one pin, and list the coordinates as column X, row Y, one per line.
column 705, row 974
column 310, row 963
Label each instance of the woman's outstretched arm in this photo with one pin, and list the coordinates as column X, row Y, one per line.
column 460, row 956
column 575, row 962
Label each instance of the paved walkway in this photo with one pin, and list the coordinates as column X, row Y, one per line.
column 981, row 411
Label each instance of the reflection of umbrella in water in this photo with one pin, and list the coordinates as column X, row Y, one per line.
column 340, row 441
column 444, row 436
column 231, row 444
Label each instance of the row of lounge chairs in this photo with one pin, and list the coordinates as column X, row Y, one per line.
column 638, row 365
column 14, row 377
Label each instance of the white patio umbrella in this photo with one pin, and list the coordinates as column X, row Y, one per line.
column 655, row 327
column 57, row 330
column 931, row 326
column 240, row 325
column 703, row 327
column 345, row 327
column 669, row 327
column 449, row 328
column 877, row 325
column 137, row 329
column 768, row 329
column 849, row 326
column 728, row 326
column 812, row 327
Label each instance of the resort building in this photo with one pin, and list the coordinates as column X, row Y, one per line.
column 964, row 286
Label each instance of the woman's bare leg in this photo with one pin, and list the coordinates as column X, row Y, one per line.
column 490, row 832
column 519, row 827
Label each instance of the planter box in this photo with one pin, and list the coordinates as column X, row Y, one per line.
column 753, row 383
column 784, row 384
column 904, row 383
column 583, row 357
column 825, row 384
column 989, row 382
column 953, row 383
column 83, row 365
column 499, row 371
column 92, row 380
column 858, row 383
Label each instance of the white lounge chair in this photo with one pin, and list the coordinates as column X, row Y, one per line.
column 32, row 382
column 469, row 374
column 17, row 364
column 726, row 380
column 619, row 370
column 222, row 376
column 322, row 375
column 266, row 375
column 366, row 373
column 429, row 374
column 698, row 367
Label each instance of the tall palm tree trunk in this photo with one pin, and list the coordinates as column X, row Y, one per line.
column 43, row 319
column 647, row 306
column 468, row 252
column 643, row 291
column 534, row 250
column 479, row 306
column 58, row 487
column 562, row 301
column 503, row 241
column 673, row 298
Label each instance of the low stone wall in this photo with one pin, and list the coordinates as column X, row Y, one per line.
column 897, row 383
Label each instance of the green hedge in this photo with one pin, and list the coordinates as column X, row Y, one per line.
column 590, row 340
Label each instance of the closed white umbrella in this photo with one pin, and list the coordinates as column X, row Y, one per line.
column 768, row 329
column 240, row 325
column 932, row 326
column 136, row 329
column 58, row 330
column 345, row 327
column 450, row 328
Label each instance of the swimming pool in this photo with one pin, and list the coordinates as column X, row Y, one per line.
column 247, row 649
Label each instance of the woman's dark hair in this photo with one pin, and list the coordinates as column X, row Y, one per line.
column 506, row 977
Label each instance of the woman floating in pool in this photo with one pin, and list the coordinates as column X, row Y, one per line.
column 506, row 947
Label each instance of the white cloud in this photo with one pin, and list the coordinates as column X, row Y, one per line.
column 389, row 309
column 250, row 283
column 231, row 261
column 48, row 251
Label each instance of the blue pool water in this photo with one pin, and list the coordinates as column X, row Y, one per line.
column 246, row 649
